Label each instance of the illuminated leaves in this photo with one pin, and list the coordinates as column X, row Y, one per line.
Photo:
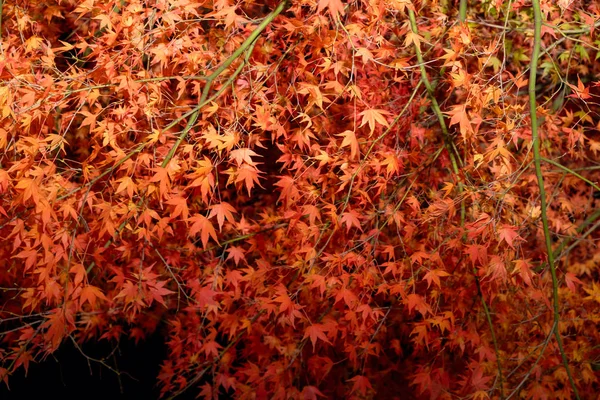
column 204, row 296
column 300, row 212
column 33, row 43
column 180, row 207
column 401, row 5
column 220, row 142
column 127, row 185
column 417, row 302
column 89, row 120
column 524, row 269
column 236, row 253
column 315, row 97
column 496, row 269
column 30, row 189
column 56, row 327
column 572, row 281
column 413, row 39
column 229, row 16
column 161, row 177
column 594, row 292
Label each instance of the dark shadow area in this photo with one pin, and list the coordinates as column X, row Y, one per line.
column 68, row 374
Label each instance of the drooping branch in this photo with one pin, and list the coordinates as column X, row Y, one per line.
column 204, row 100
column 537, row 38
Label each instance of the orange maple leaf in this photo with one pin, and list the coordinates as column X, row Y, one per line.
column 335, row 7
column 372, row 116
column 243, row 155
column 57, row 329
column 249, row 175
column 459, row 116
column 157, row 291
column 351, row 219
column 128, row 185
column 284, row 299
column 201, row 224
column 413, row 38
column 211, row 348
column 315, row 332
column 161, row 176
column 477, row 252
column 508, row 234
column 350, row 140
column 434, row 275
column 415, row 301
column 361, row 384
column 222, row 211
column 524, row 268
column 496, row 269
column 571, row 280
column 181, row 207
column 237, row 253
column 90, row 119
column 580, row 90
column 90, row 294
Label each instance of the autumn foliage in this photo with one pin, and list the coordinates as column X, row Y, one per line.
column 309, row 199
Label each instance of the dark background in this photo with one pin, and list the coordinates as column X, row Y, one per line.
column 67, row 373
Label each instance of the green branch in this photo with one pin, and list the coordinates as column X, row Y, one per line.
column 247, row 46
column 537, row 13
column 462, row 11
column 570, row 171
column 560, row 251
column 1, row 11
column 434, row 104
column 448, row 143
column 488, row 317
column 203, row 100
column 454, row 159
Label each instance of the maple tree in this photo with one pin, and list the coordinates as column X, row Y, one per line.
column 309, row 199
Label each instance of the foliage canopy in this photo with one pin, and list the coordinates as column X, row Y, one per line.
column 342, row 199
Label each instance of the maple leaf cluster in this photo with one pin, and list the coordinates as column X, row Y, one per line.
column 303, row 208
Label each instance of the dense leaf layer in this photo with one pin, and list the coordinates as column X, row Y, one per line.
column 274, row 185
